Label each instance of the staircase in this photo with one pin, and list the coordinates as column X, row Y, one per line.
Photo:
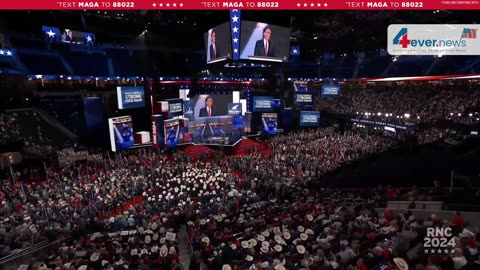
column 247, row 145
column 193, row 150
column 184, row 248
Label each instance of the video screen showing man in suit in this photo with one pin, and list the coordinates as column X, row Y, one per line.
column 207, row 111
column 264, row 47
column 67, row 35
column 214, row 51
column 72, row 36
column 211, row 105
column 265, row 42
column 218, row 43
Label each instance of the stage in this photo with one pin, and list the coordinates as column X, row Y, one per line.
column 246, row 144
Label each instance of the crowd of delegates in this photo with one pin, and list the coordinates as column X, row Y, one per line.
column 234, row 220
column 305, row 155
column 311, row 232
column 431, row 135
column 424, row 103
column 9, row 128
column 13, row 129
column 69, row 156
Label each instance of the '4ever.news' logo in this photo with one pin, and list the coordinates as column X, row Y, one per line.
column 439, row 241
column 402, row 39
column 433, row 39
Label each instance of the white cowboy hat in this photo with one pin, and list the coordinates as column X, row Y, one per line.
column 278, row 248
column 301, row 249
column 401, row 263
column 303, row 236
column 94, row 257
column 163, row 251
column 226, row 267
column 148, row 239
column 278, row 239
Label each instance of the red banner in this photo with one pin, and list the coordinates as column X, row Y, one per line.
column 243, row 5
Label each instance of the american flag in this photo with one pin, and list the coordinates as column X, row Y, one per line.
column 469, row 33
column 235, row 23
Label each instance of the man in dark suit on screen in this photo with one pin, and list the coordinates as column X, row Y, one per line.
column 208, row 110
column 264, row 47
column 214, row 51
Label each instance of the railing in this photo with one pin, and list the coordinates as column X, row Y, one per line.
column 425, row 205
column 30, row 255
column 54, row 123
column 18, row 252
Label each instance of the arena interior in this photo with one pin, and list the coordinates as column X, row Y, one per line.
column 321, row 150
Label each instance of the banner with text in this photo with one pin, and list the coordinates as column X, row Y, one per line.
column 382, row 123
column 130, row 97
column 175, row 107
column 262, row 104
column 330, row 91
column 309, row 119
column 303, row 98
column 158, row 135
column 237, row 5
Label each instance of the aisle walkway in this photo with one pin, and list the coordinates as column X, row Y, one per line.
column 184, row 250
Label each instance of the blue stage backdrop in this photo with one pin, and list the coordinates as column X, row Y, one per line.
column 287, row 119
column 95, row 118
column 188, row 106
